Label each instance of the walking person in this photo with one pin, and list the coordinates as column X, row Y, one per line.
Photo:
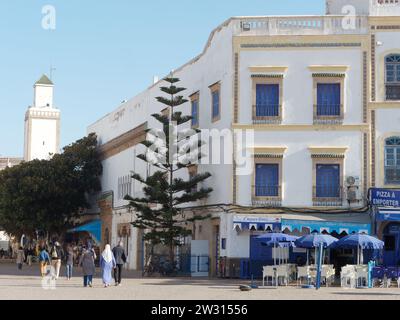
column 107, row 264
column 29, row 257
column 120, row 259
column 56, row 254
column 20, row 257
column 88, row 267
column 69, row 261
column 44, row 261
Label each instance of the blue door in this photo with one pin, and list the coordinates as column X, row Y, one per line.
column 391, row 237
column 260, row 256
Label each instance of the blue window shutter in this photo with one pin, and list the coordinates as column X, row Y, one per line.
column 195, row 113
column 215, row 104
column 267, row 100
column 267, row 180
column 328, row 181
column 328, row 99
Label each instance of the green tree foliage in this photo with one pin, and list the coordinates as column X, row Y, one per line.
column 165, row 223
column 48, row 195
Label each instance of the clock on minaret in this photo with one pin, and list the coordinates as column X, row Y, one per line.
column 42, row 123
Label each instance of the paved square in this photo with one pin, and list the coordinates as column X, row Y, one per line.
column 24, row 285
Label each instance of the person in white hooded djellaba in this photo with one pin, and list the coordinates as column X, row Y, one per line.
column 107, row 263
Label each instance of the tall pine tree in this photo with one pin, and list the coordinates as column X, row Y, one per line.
column 165, row 223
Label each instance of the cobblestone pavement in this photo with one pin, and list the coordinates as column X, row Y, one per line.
column 26, row 285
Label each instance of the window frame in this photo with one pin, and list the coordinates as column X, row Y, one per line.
column 195, row 98
column 396, row 75
column 326, row 159
column 329, row 79
column 267, row 80
column 396, row 159
column 261, row 159
column 215, row 88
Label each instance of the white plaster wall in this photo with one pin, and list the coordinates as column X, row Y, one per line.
column 43, row 96
column 237, row 245
column 298, row 93
column 215, row 65
column 297, row 162
column 122, row 217
column 43, row 138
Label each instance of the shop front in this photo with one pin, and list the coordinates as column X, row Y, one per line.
column 386, row 211
column 338, row 227
column 241, row 254
column 388, row 230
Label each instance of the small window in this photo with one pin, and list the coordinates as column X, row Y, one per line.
column 215, row 104
column 267, row 180
column 223, row 243
column 328, row 99
column 195, row 113
column 267, row 100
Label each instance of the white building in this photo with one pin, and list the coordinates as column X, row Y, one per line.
column 321, row 94
column 8, row 162
column 42, row 123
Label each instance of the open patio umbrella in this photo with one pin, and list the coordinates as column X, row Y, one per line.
column 313, row 241
column 277, row 240
column 359, row 241
column 320, row 242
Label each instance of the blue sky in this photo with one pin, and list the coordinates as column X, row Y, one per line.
column 104, row 52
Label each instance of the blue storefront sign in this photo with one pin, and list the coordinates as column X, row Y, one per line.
column 385, row 198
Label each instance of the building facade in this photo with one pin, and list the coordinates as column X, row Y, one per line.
column 320, row 95
column 42, row 123
column 9, row 162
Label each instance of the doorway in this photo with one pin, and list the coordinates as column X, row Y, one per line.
column 391, row 237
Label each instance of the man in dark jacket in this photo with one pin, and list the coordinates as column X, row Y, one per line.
column 120, row 259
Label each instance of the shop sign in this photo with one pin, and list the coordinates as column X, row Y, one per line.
column 385, row 198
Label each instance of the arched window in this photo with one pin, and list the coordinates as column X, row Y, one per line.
column 392, row 77
column 392, row 160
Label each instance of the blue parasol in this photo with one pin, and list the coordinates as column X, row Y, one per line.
column 277, row 240
column 359, row 241
column 315, row 240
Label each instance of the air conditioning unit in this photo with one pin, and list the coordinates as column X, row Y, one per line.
column 353, row 189
column 352, row 181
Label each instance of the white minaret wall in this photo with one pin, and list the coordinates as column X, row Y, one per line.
column 43, row 96
column 42, row 124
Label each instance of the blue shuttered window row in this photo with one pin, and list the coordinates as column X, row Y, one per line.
column 327, row 180
column 267, row 100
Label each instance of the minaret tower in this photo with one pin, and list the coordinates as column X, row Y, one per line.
column 42, row 123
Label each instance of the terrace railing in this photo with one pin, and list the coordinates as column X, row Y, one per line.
column 304, row 25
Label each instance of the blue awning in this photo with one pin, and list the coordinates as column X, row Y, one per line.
column 93, row 227
column 388, row 214
column 325, row 226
